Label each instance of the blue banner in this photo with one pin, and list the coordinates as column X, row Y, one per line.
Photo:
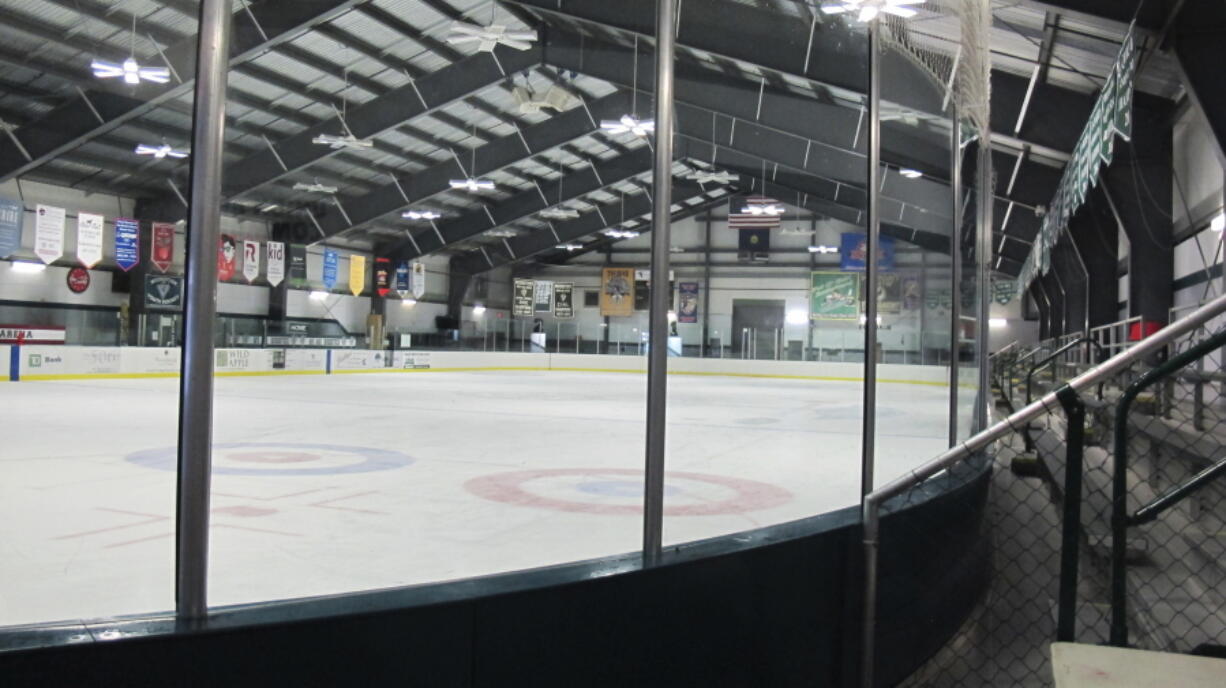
column 10, row 226
column 402, row 277
column 127, row 243
column 331, row 260
column 854, row 250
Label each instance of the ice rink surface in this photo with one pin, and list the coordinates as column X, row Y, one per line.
column 353, row 482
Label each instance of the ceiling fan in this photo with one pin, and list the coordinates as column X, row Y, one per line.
column 490, row 36
column 628, row 123
column 868, row 10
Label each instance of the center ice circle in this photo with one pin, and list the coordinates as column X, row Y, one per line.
column 281, row 458
column 620, row 488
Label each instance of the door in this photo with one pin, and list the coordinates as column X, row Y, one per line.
column 757, row 328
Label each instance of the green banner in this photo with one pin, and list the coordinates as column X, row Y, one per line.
column 834, row 296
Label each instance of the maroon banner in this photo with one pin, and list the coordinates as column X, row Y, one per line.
column 226, row 252
column 383, row 276
column 162, row 253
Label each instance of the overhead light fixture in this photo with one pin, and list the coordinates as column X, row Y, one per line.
column 712, row 176
column 502, row 233
column 27, row 266
column 489, row 36
column 569, row 247
column 555, row 98
column 910, row 173
column 1218, row 223
column 676, row 249
column 162, row 151
column 315, row 187
column 472, row 184
column 130, row 71
column 621, row 233
column 763, row 209
column 346, row 141
column 823, row 249
column 408, row 302
column 868, row 10
column 629, row 123
column 317, row 295
column 478, row 310
column 997, row 322
column 270, row 208
column 421, row 215
column 559, row 213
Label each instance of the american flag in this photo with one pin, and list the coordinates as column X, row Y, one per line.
column 755, row 212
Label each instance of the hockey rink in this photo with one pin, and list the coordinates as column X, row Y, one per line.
column 331, row 484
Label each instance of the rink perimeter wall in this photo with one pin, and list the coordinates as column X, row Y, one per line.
column 43, row 363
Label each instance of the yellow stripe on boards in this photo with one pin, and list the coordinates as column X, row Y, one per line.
column 141, row 376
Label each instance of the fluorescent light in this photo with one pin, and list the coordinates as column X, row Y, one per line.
column 823, row 249
column 501, row 233
column 472, row 184
column 672, row 316
column 763, row 209
column 129, row 71
column 797, row 316
column 1218, row 223
column 997, row 322
column 620, row 233
column 478, row 310
column 569, row 246
column 315, row 188
column 629, row 124
column 346, row 141
column 868, row 10
column 559, row 213
column 161, row 151
column 27, row 266
column 421, row 215
column 864, row 319
column 408, row 302
column 910, row 173
column 318, row 295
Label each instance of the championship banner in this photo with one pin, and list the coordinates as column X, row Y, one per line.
column 383, row 269
column 227, row 251
column 357, row 274
column 49, row 233
column 617, row 292
column 331, row 266
column 127, row 243
column 853, row 250
column 419, row 280
column 89, row 239
column 563, row 300
column 542, row 296
column 251, row 260
column 834, row 296
column 162, row 250
column 687, row 306
column 297, row 264
column 10, row 226
column 402, row 278
column 276, row 262
column 522, row 298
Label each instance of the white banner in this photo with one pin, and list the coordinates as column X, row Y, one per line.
column 276, row 262
column 251, row 260
column 49, row 233
column 89, row 239
column 418, row 279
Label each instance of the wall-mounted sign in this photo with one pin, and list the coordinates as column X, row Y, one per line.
column 32, row 334
column 78, row 280
column 563, row 300
column 522, row 298
column 834, row 296
column 617, row 292
column 687, row 306
column 853, row 252
column 163, row 292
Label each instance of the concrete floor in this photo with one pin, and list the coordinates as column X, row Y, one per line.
column 350, row 482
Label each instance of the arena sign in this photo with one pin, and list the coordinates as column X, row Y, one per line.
column 31, row 334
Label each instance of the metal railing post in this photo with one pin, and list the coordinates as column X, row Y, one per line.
column 1075, row 411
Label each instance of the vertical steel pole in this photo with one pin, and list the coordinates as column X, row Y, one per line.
column 983, row 259
column 200, row 311
column 870, row 260
column 955, row 287
column 1070, row 526
column 657, row 362
column 706, row 287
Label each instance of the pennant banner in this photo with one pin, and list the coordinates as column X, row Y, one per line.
column 564, row 300
column 542, row 297
column 617, row 292
column 402, row 278
column 276, row 262
column 331, row 263
column 127, row 243
column 687, row 306
column 383, row 276
column 89, row 239
column 357, row 274
column 297, row 264
column 10, row 226
column 521, row 299
column 251, row 260
column 854, row 253
column 49, row 233
column 419, row 280
column 227, row 253
column 162, row 253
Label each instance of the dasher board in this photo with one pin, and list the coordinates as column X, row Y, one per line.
column 1088, row 666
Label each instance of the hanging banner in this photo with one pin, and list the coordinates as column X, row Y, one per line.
column 251, row 260
column 687, row 303
column 853, row 251
column 419, row 280
column 276, row 262
column 617, row 292
column 542, row 296
column 564, row 300
column 127, row 243
column 383, row 269
column 227, row 253
column 889, row 294
column 834, row 296
column 89, row 239
column 522, row 298
column 357, row 274
column 10, row 226
column 331, row 265
column 297, row 264
column 49, row 233
column 1003, row 291
column 402, row 278
column 912, row 293
column 164, row 292
column 162, row 251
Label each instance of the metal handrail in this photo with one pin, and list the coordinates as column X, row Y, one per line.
column 1150, row 511
column 1056, row 354
column 871, row 505
column 1119, row 483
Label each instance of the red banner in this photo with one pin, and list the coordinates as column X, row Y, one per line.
column 226, row 252
column 162, row 253
column 383, row 276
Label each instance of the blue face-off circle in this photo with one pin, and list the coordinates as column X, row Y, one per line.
column 620, row 488
column 370, row 459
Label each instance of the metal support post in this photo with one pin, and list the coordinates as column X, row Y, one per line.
column 955, row 289
column 706, row 289
column 870, row 261
column 983, row 258
column 200, row 312
column 1066, row 623
column 657, row 363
